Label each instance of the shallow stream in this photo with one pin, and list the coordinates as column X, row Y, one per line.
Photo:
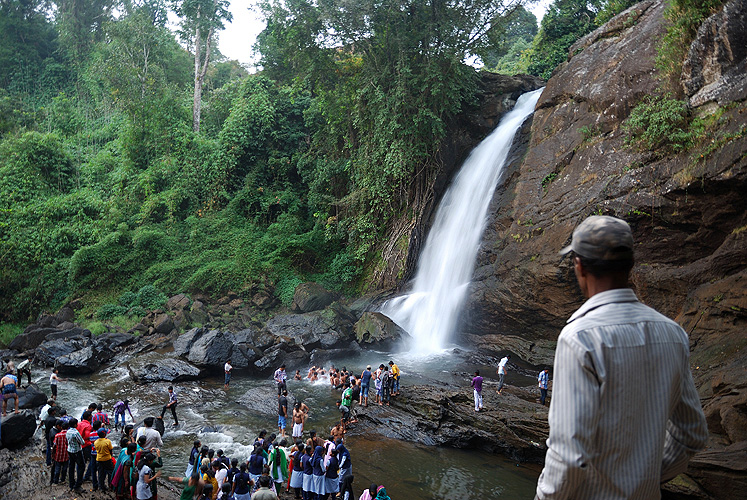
column 409, row 471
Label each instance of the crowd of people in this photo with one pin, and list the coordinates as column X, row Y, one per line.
column 314, row 467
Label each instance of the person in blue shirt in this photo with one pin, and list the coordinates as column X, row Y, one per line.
column 543, row 379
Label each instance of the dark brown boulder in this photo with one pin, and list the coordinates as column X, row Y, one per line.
column 310, row 297
column 178, row 302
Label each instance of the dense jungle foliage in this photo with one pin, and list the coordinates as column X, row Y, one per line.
column 295, row 172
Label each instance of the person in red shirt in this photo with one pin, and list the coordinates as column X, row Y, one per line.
column 85, row 428
column 60, row 456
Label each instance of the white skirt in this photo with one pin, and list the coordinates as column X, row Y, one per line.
column 307, row 482
column 331, row 485
column 296, row 479
column 318, row 485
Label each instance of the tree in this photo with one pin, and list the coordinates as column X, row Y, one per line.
column 518, row 30
column 387, row 76
column 565, row 22
column 200, row 20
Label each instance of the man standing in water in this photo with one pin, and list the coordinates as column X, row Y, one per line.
column 280, row 377
column 299, row 417
column 502, row 371
column 609, row 436
column 173, row 401
column 282, row 412
column 227, row 369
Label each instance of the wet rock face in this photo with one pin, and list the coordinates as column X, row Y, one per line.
column 688, row 214
column 715, row 69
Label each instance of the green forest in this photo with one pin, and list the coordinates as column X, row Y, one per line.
column 136, row 159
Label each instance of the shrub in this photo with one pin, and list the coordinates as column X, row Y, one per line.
column 660, row 124
column 150, row 297
column 108, row 311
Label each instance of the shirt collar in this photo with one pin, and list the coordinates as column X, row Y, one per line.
column 618, row 295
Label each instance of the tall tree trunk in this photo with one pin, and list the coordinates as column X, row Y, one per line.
column 198, row 84
column 200, row 73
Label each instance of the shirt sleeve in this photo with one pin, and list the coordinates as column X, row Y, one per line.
column 574, row 415
column 687, row 431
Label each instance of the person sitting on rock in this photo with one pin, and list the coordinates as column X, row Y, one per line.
column 8, row 384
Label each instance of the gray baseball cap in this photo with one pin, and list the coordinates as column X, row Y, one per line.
column 602, row 237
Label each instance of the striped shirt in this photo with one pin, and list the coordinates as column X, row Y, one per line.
column 625, row 415
column 75, row 441
column 543, row 379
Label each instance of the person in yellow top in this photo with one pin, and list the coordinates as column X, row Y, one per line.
column 395, row 375
column 209, row 477
column 104, row 465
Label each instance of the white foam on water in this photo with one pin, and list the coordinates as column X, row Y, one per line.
column 429, row 312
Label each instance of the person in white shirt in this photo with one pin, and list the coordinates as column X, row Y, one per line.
column 625, row 415
column 502, row 372
column 227, row 368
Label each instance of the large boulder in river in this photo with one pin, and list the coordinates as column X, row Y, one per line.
column 75, row 332
column 310, row 297
column 31, row 397
column 374, row 327
column 74, row 355
column 155, row 367
column 324, row 329
column 277, row 355
column 31, row 338
column 17, row 429
column 184, row 342
column 211, row 350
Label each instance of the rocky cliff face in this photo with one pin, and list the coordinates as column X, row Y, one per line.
column 688, row 212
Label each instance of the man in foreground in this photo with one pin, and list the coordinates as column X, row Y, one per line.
column 625, row 415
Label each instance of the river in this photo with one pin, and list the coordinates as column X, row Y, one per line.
column 209, row 413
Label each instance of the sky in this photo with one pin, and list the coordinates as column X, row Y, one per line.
column 237, row 39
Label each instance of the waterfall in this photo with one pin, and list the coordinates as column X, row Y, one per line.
column 429, row 312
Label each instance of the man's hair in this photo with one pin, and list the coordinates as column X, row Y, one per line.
column 285, row 393
column 74, row 422
column 264, row 481
column 171, row 387
column 97, row 425
column 148, row 421
column 92, row 406
column 599, row 267
column 141, row 440
column 391, row 363
column 282, row 366
column 86, row 415
column 477, row 372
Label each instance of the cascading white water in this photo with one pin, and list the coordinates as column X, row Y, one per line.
column 430, row 311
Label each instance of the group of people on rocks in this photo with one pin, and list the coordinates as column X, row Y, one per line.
column 543, row 381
